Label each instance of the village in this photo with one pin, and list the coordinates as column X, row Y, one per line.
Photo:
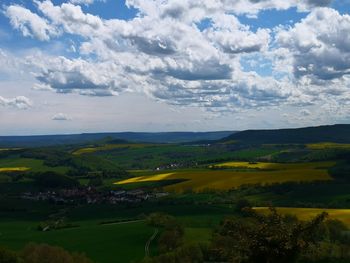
column 90, row 195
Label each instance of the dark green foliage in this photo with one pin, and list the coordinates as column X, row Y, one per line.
column 117, row 172
column 332, row 194
column 242, row 204
column 8, row 256
column 172, row 234
column 52, row 157
column 42, row 253
column 184, row 254
column 54, row 180
column 335, row 230
column 95, row 181
column 341, row 171
column 268, row 238
column 172, row 231
column 171, row 238
column 159, row 219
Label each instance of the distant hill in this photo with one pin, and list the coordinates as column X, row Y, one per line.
column 158, row 137
column 339, row 133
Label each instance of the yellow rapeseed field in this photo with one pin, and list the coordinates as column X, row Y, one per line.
column 328, row 145
column 14, row 169
column 308, row 213
column 200, row 180
column 274, row 166
column 151, row 178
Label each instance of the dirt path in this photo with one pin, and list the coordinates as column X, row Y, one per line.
column 149, row 241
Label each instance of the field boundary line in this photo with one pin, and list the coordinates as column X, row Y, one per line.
column 124, row 222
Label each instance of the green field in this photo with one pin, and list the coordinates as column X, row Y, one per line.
column 103, row 243
column 34, row 165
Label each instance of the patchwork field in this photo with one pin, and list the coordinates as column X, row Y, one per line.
column 275, row 166
column 205, row 179
column 109, row 147
column 22, row 164
column 14, row 169
column 328, row 145
column 308, row 213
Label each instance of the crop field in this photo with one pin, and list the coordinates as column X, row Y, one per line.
column 328, row 145
column 157, row 155
column 109, row 147
column 198, row 180
column 29, row 164
column 308, row 213
column 275, row 166
column 13, row 169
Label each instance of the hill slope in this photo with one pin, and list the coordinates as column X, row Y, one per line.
column 157, row 137
column 339, row 133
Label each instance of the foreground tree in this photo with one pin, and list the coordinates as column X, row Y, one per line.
column 8, row 256
column 43, row 253
column 260, row 238
column 183, row 254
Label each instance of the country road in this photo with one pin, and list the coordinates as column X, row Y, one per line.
column 149, row 241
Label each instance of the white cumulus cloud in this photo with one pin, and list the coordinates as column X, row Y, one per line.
column 164, row 53
column 29, row 23
column 60, row 117
column 19, row 102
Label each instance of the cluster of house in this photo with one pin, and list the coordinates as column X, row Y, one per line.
column 91, row 195
column 173, row 166
column 167, row 167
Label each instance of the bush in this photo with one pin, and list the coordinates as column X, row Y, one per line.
column 264, row 238
column 8, row 256
column 43, row 253
column 184, row 254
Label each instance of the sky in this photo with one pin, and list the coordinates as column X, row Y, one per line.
column 73, row 66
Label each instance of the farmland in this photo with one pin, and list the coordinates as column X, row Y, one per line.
column 308, row 213
column 108, row 147
column 206, row 179
column 14, row 169
column 35, row 165
column 129, row 238
column 328, row 145
column 198, row 185
column 113, row 242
